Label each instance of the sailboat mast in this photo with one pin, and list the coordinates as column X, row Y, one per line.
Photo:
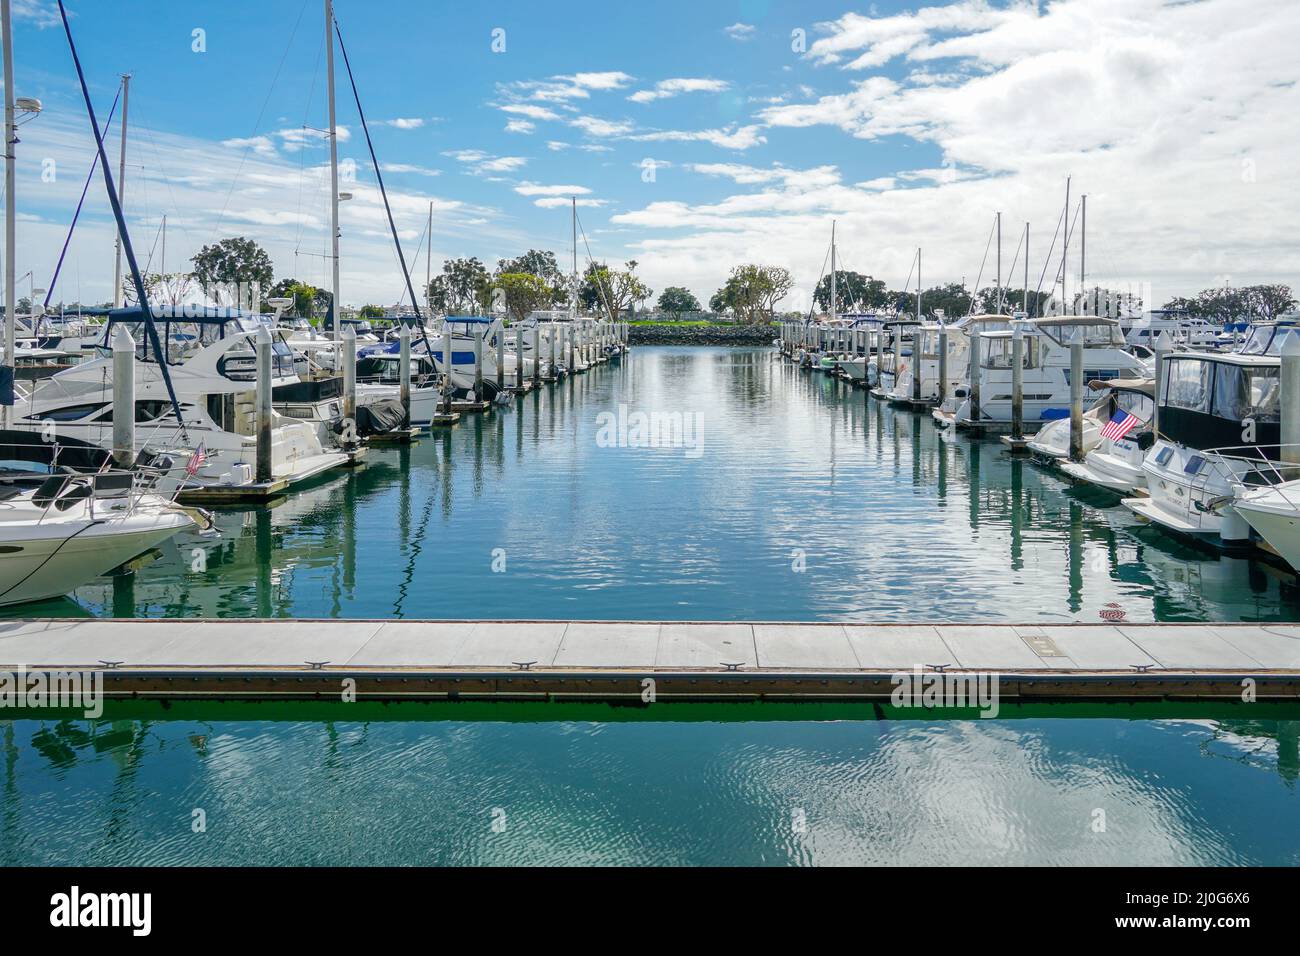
column 1065, row 246
column 11, row 138
column 1083, row 246
column 573, row 280
column 998, row 300
column 1024, row 302
column 834, row 302
column 428, row 263
column 335, row 303
column 121, row 191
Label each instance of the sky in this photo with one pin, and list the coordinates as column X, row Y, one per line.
column 695, row 136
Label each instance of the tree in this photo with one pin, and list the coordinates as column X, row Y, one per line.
column 853, row 290
column 231, row 262
column 1228, row 304
column 677, row 299
column 986, row 301
column 461, row 287
column 169, row 288
column 543, row 265
column 524, row 293
column 371, row 312
column 952, row 298
column 612, row 290
column 1269, row 301
column 752, row 292
column 719, row 304
column 303, row 295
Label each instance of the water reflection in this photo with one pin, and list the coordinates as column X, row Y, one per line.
column 897, row 520
column 412, row 791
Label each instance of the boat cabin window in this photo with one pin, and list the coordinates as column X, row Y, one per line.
column 68, row 413
column 1242, row 392
column 997, row 352
column 1187, row 384
column 146, row 410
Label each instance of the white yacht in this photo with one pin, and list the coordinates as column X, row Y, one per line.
column 1114, row 461
column 1274, row 513
column 211, row 362
column 74, row 528
column 1219, row 430
column 1120, row 399
column 945, row 414
column 1045, row 378
column 927, row 361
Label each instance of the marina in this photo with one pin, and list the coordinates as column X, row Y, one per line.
column 382, row 513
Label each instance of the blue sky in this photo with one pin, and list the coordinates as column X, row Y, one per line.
column 910, row 125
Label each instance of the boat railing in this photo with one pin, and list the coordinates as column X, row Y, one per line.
column 1250, row 467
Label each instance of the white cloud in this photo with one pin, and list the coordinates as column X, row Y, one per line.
column 665, row 89
column 409, row 168
column 595, row 126
column 481, row 162
column 740, row 31
column 535, row 189
column 42, row 13
column 1168, row 115
column 732, row 137
column 555, row 202
column 530, row 111
column 402, row 122
column 520, row 126
column 574, row 86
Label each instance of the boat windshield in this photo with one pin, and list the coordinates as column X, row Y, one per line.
column 1138, row 404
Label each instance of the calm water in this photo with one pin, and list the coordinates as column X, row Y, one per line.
column 804, row 502
column 395, row 785
column 889, row 519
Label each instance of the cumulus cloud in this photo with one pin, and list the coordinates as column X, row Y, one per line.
column 731, row 137
column 479, row 162
column 666, row 89
column 740, row 31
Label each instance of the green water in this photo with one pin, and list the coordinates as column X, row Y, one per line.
column 525, row 784
column 802, row 501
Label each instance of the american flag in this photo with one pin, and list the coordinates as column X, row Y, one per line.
column 1120, row 424
column 197, row 461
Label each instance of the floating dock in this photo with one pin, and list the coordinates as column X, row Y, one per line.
column 614, row 661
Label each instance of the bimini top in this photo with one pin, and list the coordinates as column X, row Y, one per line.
column 470, row 319
column 1227, row 358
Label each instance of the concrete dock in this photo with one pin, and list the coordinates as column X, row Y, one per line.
column 250, row 659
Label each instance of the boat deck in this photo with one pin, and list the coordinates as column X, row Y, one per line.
column 612, row 660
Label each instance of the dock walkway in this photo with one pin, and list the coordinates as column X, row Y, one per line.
column 612, row 660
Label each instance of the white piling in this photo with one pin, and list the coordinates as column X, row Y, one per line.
column 478, row 366
column 1289, row 399
column 1164, row 344
column 264, row 470
column 404, row 348
column 1076, row 398
column 1017, row 381
column 123, row 397
column 348, row 359
column 448, row 363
